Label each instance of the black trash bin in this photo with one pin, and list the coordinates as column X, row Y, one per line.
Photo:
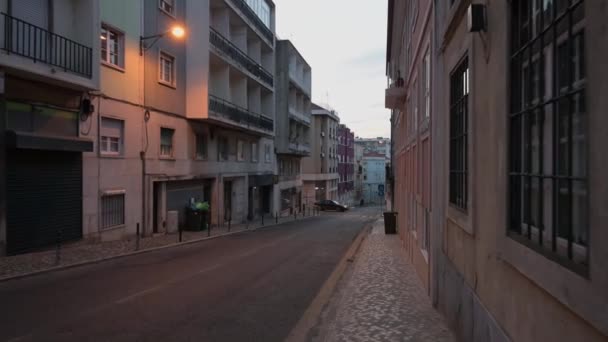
column 196, row 220
column 390, row 222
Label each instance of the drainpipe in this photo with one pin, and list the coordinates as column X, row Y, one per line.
column 2, row 166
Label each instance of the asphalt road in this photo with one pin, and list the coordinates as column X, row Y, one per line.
column 252, row 286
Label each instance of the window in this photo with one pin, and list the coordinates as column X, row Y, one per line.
column 459, row 112
column 426, row 65
column 167, row 6
column 222, row 149
column 240, row 150
column 201, row 146
column 548, row 190
column 166, row 142
column 267, row 157
column 112, row 43
column 255, row 151
column 167, row 69
column 112, row 209
column 111, row 142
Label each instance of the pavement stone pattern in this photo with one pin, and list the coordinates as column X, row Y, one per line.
column 384, row 300
column 78, row 252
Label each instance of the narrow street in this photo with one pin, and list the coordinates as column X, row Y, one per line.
column 252, row 286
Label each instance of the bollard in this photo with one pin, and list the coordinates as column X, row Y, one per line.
column 58, row 251
column 295, row 214
column 262, row 219
column 276, row 218
column 229, row 223
column 137, row 237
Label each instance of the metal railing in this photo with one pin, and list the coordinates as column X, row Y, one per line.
column 24, row 39
column 257, row 22
column 239, row 114
column 240, row 57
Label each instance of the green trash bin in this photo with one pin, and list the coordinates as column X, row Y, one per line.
column 390, row 222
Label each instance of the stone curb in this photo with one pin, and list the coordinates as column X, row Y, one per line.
column 309, row 319
column 153, row 249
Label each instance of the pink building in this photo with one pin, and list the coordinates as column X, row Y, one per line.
column 346, row 164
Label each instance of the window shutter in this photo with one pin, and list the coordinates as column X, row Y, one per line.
column 111, row 128
column 35, row 12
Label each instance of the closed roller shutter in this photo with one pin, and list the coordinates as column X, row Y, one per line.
column 35, row 12
column 44, row 196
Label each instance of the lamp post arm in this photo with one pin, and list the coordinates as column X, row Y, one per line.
column 143, row 48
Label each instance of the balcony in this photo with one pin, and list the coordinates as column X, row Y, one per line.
column 394, row 95
column 30, row 41
column 250, row 14
column 302, row 149
column 299, row 117
column 241, row 117
column 239, row 57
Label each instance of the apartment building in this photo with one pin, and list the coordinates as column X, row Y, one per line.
column 48, row 62
column 164, row 101
column 379, row 145
column 320, row 171
column 517, row 200
column 346, row 165
column 293, row 123
column 373, row 183
column 411, row 124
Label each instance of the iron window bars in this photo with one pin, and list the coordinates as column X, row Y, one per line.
column 547, row 130
column 459, row 117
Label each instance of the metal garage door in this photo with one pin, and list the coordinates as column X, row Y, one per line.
column 44, row 197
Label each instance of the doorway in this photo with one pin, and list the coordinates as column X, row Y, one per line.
column 227, row 200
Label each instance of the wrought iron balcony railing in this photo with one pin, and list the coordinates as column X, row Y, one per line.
column 240, row 57
column 24, row 39
column 239, row 114
column 250, row 14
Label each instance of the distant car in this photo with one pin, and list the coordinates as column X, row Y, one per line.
column 331, row 205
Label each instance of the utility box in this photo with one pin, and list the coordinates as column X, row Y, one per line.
column 172, row 221
column 390, row 222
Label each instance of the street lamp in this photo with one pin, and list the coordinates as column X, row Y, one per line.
column 176, row 31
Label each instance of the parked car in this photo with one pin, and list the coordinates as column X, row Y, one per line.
column 331, row 205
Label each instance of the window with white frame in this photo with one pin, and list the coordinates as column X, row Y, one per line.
column 166, row 142
column 112, row 209
column 240, row 150
column 167, row 69
column 201, row 146
column 167, row 6
column 112, row 46
column 112, row 131
column 255, row 152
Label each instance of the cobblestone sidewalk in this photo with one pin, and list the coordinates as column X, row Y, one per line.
column 383, row 300
column 79, row 252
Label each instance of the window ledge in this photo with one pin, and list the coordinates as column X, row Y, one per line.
column 113, row 66
column 460, row 218
column 107, row 229
column 573, row 290
column 111, row 156
column 167, row 84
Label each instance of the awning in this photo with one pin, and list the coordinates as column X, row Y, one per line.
column 49, row 143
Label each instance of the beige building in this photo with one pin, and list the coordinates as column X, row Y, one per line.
column 48, row 67
column 320, row 170
column 150, row 119
column 517, row 248
column 293, row 123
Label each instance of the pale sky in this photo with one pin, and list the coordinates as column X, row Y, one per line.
column 344, row 42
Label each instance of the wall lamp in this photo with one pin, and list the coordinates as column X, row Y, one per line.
column 176, row 31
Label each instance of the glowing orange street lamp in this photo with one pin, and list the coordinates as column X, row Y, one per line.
column 176, row 31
